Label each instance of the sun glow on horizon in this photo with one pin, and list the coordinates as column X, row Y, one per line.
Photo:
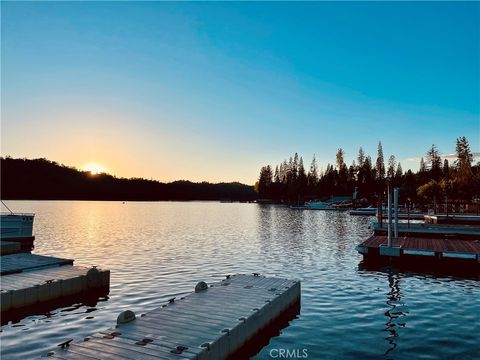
column 94, row 168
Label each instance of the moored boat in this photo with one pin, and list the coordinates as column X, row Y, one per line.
column 16, row 226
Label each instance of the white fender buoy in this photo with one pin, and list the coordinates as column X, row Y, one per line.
column 202, row 285
column 125, row 317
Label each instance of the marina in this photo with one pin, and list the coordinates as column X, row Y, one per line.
column 440, row 245
column 217, row 321
column 337, row 292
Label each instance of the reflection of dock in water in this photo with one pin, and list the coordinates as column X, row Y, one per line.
column 394, row 313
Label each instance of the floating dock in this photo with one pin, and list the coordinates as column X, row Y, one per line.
column 32, row 282
column 432, row 230
column 215, row 322
column 427, row 251
column 453, row 219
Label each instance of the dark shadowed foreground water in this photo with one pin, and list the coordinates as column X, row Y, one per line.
column 162, row 249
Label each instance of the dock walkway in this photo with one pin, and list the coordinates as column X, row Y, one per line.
column 16, row 263
column 444, row 246
column 432, row 230
column 214, row 322
column 31, row 282
column 424, row 251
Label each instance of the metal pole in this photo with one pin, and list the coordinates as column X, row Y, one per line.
column 395, row 202
column 379, row 212
column 408, row 209
column 389, row 210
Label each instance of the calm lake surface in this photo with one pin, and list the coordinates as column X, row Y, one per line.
column 157, row 250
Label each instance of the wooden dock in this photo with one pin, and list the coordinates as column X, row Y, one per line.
column 214, row 322
column 464, row 219
column 33, row 282
column 429, row 251
column 432, row 230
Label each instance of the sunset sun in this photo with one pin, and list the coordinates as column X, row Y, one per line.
column 94, row 168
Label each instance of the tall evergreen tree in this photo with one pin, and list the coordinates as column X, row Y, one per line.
column 264, row 181
column 399, row 172
column 313, row 173
column 446, row 169
column 302, row 178
column 464, row 174
column 340, row 162
column 392, row 163
column 435, row 162
column 423, row 167
column 276, row 177
column 361, row 157
column 380, row 165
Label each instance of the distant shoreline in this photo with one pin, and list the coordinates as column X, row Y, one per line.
column 41, row 179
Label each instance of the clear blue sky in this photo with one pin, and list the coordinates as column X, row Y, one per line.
column 214, row 91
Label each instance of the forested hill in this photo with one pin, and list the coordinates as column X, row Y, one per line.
column 41, row 179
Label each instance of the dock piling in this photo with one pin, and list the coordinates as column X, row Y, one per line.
column 395, row 202
column 389, row 211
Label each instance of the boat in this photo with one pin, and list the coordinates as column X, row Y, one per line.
column 366, row 211
column 16, row 226
column 402, row 212
column 315, row 205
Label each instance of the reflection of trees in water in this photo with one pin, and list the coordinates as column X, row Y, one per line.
column 281, row 230
column 265, row 222
column 395, row 313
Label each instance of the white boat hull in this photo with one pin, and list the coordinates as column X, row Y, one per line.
column 16, row 226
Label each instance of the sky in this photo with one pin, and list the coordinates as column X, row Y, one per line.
column 214, row 91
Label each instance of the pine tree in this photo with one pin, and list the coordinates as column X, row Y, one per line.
column 399, row 172
column 339, row 156
column 276, row 177
column 264, row 181
column 313, row 173
column 361, row 157
column 302, row 178
column 380, row 165
column 446, row 169
column 435, row 162
column 463, row 165
column 423, row 167
column 392, row 163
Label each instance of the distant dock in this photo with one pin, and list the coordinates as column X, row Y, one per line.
column 432, row 230
column 426, row 251
column 214, row 322
column 441, row 246
column 32, row 282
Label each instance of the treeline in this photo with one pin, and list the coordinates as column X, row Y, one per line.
column 41, row 179
column 436, row 178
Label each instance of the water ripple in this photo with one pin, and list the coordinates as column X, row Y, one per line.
column 159, row 250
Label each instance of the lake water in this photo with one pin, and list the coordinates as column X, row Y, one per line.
column 158, row 250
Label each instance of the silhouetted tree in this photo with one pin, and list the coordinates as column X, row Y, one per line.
column 313, row 175
column 392, row 163
column 446, row 169
column 435, row 162
column 380, row 164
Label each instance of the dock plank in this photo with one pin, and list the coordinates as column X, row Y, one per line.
column 20, row 262
column 432, row 244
